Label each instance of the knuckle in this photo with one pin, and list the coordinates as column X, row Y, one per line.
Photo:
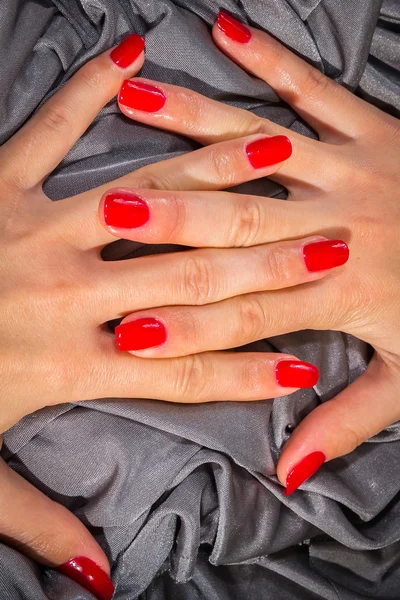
column 57, row 119
column 314, row 83
column 176, row 217
column 352, row 438
column 253, row 377
column 222, row 164
column 247, row 224
column 190, row 380
column 252, row 319
column 198, row 280
column 91, row 76
column 278, row 268
column 148, row 179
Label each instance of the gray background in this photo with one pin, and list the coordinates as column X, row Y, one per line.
column 184, row 499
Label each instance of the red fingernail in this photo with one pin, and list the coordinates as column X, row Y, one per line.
column 90, row 576
column 141, row 96
column 296, row 374
column 232, row 28
column 303, row 471
column 125, row 210
column 128, row 50
column 140, row 334
column 269, row 151
column 320, row 256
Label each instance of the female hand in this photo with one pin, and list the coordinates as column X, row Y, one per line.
column 56, row 294
column 343, row 186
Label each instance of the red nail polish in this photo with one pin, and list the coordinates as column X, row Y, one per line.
column 89, row 575
column 141, row 96
column 296, row 374
column 269, row 151
column 303, row 471
column 125, row 211
column 128, row 50
column 320, row 256
column 232, row 28
column 140, row 334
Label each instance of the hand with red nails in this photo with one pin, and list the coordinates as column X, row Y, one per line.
column 342, row 189
column 57, row 296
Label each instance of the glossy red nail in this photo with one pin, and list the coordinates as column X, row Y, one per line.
column 141, row 96
column 296, row 374
column 320, row 256
column 140, row 334
column 90, row 576
column 125, row 211
column 303, row 471
column 232, row 28
column 269, row 151
column 128, row 50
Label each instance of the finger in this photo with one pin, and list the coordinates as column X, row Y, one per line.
column 34, row 151
column 206, row 219
column 209, row 122
column 200, row 277
column 207, row 377
column 216, row 167
column 50, row 534
column 328, row 107
column 338, row 426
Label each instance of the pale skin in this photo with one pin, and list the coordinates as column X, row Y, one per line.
column 56, row 292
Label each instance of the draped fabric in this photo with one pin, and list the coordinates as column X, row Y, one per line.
column 184, row 499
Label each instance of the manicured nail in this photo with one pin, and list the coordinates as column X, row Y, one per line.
column 303, row 471
column 90, row 576
column 140, row 334
column 269, row 151
column 232, row 28
column 125, row 210
column 141, row 96
column 320, row 256
column 296, row 374
column 128, row 50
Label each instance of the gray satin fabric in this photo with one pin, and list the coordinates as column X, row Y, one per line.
column 184, row 499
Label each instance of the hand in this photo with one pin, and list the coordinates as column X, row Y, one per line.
column 56, row 294
column 343, row 186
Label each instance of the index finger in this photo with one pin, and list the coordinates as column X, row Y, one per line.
column 36, row 149
column 324, row 104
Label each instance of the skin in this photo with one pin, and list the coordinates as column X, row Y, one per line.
column 54, row 346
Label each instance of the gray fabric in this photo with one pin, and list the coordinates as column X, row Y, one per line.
column 184, row 499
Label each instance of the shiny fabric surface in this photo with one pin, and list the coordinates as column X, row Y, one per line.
column 184, row 499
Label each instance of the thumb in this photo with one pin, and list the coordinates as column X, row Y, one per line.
column 338, row 426
column 50, row 534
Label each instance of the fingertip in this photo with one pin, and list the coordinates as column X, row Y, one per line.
column 227, row 28
column 129, row 54
column 89, row 575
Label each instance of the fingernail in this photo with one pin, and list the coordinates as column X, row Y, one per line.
column 232, row 28
column 141, row 96
column 269, row 151
column 128, row 50
column 320, row 256
column 296, row 374
column 89, row 575
column 140, row 334
column 125, row 211
column 303, row 471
